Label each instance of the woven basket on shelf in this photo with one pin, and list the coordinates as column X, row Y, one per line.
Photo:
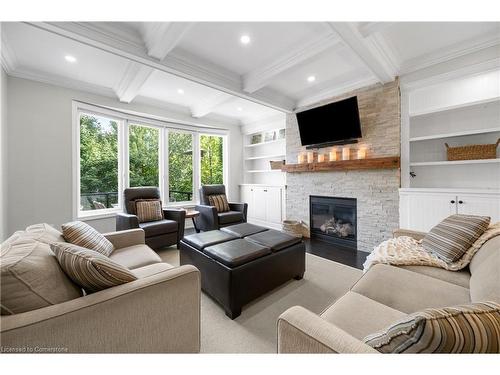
column 277, row 164
column 472, row 152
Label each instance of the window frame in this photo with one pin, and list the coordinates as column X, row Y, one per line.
column 124, row 120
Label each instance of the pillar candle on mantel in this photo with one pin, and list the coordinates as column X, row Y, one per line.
column 362, row 153
column 301, row 158
column 346, row 152
column 333, row 154
column 310, row 157
column 321, row 158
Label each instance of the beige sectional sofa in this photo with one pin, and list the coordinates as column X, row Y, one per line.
column 159, row 312
column 384, row 294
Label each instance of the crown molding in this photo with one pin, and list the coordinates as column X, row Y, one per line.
column 133, row 79
column 161, row 38
column 367, row 29
column 262, row 76
column 452, row 52
column 9, row 59
column 264, row 123
column 210, row 104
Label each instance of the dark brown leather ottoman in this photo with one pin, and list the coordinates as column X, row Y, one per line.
column 235, row 271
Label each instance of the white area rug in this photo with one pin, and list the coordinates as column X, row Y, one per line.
column 254, row 331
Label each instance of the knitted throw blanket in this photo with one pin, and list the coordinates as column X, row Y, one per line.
column 406, row 251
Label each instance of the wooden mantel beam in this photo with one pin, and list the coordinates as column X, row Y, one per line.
column 391, row 162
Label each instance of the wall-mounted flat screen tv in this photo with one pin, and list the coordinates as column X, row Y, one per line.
column 334, row 123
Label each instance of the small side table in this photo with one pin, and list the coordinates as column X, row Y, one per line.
column 192, row 214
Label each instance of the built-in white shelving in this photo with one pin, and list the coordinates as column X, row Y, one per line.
column 435, row 110
column 455, row 162
column 277, row 156
column 455, row 134
column 265, row 143
column 264, row 171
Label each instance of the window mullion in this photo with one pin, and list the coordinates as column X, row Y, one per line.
column 196, row 166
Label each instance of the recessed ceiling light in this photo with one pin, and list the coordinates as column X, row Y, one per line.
column 70, row 58
column 239, row 109
column 245, row 39
column 180, row 91
column 311, row 79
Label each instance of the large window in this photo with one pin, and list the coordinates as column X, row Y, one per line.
column 98, row 162
column 180, row 166
column 143, row 150
column 212, row 159
column 116, row 150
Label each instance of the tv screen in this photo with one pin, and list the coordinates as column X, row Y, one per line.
column 331, row 123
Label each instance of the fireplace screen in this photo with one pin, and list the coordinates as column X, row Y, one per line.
column 334, row 219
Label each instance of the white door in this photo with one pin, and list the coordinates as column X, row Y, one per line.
column 259, row 203
column 273, row 204
column 475, row 204
column 421, row 211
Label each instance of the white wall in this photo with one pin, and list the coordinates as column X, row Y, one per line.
column 3, row 156
column 40, row 151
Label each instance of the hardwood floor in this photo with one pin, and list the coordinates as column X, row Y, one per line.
column 326, row 250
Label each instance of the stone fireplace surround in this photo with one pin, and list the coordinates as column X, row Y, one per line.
column 376, row 191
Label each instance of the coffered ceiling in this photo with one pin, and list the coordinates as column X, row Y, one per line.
column 245, row 71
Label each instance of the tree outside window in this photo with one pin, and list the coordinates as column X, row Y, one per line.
column 211, row 162
column 143, row 156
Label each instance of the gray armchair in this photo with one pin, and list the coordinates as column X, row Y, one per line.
column 161, row 233
column 210, row 219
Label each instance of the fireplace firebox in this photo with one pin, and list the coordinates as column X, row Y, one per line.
column 333, row 220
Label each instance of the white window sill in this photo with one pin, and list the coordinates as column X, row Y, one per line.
column 98, row 215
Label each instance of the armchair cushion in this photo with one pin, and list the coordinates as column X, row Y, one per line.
column 148, row 210
column 157, row 228
column 219, row 201
column 90, row 269
column 230, row 217
column 82, row 234
column 135, row 256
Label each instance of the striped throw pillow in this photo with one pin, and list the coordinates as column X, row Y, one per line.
column 148, row 210
column 452, row 237
column 82, row 234
column 89, row 269
column 473, row 328
column 219, row 201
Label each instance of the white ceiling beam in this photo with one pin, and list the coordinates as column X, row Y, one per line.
column 371, row 56
column 262, row 76
column 209, row 105
column 369, row 28
column 132, row 81
column 228, row 82
column 162, row 37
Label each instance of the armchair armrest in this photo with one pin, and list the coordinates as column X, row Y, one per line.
column 126, row 238
column 208, row 219
column 240, row 207
column 126, row 221
column 180, row 217
column 301, row 331
column 409, row 233
column 159, row 313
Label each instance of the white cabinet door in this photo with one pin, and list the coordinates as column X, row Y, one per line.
column 259, row 203
column 247, row 197
column 476, row 204
column 421, row 211
column 273, row 204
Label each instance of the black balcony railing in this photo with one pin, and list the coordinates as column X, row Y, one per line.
column 99, row 201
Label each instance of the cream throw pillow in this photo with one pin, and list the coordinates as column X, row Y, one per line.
column 82, row 234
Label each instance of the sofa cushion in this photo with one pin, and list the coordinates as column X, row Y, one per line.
column 408, row 291
column 151, row 270
column 461, row 278
column 237, row 252
column 90, row 269
column 205, row 239
column 230, row 217
column 81, row 234
column 243, row 229
column 485, row 272
column 45, row 233
column 452, row 237
column 157, row 228
column 31, row 277
column 135, row 256
column 470, row 328
column 359, row 315
column 274, row 239
column 219, row 201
